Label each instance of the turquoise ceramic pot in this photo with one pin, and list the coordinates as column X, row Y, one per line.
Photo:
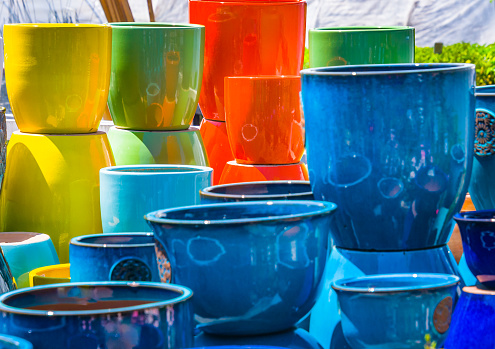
column 11, row 342
column 129, row 192
column 396, row 311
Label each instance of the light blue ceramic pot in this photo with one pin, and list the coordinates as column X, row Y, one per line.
column 127, row 193
column 392, row 146
column 100, row 315
column 113, row 257
column 396, row 311
column 256, row 267
column 252, row 191
column 11, row 342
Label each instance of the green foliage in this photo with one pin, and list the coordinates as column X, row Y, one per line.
column 483, row 56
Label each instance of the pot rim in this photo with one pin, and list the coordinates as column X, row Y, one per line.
column 56, row 25
column 361, row 28
column 489, row 93
column 154, row 25
column 77, row 240
column 251, row 3
column 18, row 342
column 436, row 281
column 164, row 133
column 322, row 208
column 388, row 69
column 461, row 216
column 156, row 170
column 183, row 294
column 263, row 77
column 209, row 193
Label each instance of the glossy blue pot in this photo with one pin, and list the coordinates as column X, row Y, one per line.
column 255, row 267
column 250, row 191
column 478, row 242
column 113, row 257
column 292, row 339
column 100, row 315
column 482, row 187
column 396, row 310
column 473, row 320
column 326, row 324
column 11, row 342
column 127, row 193
column 391, row 145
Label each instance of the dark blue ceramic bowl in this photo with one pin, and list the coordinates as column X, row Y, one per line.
column 250, row 191
column 478, row 242
column 392, row 146
column 255, row 267
column 100, row 315
column 391, row 311
column 113, row 257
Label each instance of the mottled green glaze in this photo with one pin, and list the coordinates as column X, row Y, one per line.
column 157, row 70
column 360, row 45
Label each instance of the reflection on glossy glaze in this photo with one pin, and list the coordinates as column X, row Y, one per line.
column 140, row 316
column 326, row 324
column 264, row 121
column 274, row 253
column 240, row 173
column 156, row 75
column 63, row 70
column 360, row 45
column 247, row 38
column 411, row 124
column 52, row 186
column 132, row 147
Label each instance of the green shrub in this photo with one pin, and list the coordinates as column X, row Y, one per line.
column 483, row 56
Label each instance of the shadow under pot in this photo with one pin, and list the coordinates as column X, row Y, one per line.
column 113, row 257
column 261, row 247
column 251, row 191
column 100, row 315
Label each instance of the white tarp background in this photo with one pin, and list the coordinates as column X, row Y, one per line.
column 446, row 21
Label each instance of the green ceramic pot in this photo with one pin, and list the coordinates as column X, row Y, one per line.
column 157, row 70
column 360, row 45
column 157, row 147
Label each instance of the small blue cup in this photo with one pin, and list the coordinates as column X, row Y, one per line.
column 113, row 257
column 252, row 191
column 396, row 310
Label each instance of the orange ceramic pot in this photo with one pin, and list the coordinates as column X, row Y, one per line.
column 216, row 142
column 264, row 121
column 239, row 173
column 247, row 38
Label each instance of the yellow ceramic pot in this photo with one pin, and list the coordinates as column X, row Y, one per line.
column 57, row 75
column 52, row 274
column 52, row 185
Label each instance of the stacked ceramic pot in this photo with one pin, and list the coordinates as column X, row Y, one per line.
column 246, row 39
column 154, row 90
column 57, row 78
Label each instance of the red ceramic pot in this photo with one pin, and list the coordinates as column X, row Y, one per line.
column 214, row 134
column 264, row 121
column 239, row 173
column 247, row 38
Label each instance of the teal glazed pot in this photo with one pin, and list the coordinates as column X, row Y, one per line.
column 396, row 311
column 11, row 342
column 473, row 320
column 100, row 315
column 360, row 45
column 392, row 146
column 272, row 253
column 482, row 186
column 131, row 147
column 127, row 193
column 113, row 257
column 157, row 70
column 252, row 191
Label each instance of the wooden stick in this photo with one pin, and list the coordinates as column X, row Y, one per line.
column 126, row 11
column 150, row 10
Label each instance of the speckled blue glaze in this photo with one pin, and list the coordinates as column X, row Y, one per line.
column 482, row 185
column 11, row 342
column 241, row 347
column 396, row 310
column 166, row 322
column 255, row 267
column 292, row 339
column 251, row 191
column 392, row 146
column 113, row 257
column 326, row 324
column 473, row 320
column 478, row 242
